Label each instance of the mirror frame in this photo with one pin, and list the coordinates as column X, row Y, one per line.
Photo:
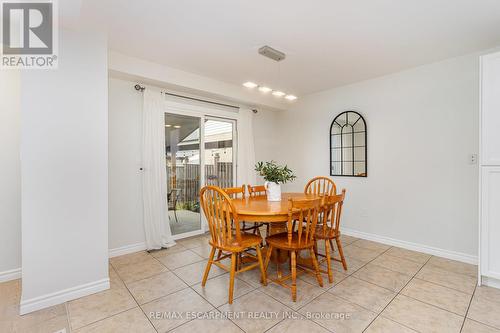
column 366, row 145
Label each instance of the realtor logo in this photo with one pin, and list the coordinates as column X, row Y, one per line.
column 29, row 34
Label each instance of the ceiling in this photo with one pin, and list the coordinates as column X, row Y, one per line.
column 328, row 42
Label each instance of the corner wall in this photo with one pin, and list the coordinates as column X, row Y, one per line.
column 64, row 169
column 10, row 177
column 422, row 123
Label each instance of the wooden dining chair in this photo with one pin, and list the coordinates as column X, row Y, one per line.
column 329, row 230
column 298, row 240
column 321, row 186
column 235, row 192
column 255, row 191
column 220, row 213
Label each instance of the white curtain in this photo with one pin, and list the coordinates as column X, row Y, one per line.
column 154, row 184
column 246, row 150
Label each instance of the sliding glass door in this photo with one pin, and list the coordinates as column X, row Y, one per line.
column 196, row 155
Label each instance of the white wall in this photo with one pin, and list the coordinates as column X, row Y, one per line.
column 64, row 169
column 125, row 180
column 10, row 176
column 126, row 231
column 422, row 125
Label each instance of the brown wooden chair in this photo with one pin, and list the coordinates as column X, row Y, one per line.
column 298, row 240
column 220, row 213
column 255, row 191
column 235, row 192
column 329, row 230
column 321, row 186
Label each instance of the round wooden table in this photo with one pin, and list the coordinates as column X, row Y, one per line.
column 258, row 209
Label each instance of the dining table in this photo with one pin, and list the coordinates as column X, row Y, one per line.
column 258, row 209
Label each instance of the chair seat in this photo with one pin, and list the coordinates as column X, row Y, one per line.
column 330, row 233
column 247, row 240
column 281, row 241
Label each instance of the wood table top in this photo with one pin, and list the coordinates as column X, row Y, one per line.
column 258, row 209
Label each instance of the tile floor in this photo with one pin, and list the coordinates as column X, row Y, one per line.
column 386, row 289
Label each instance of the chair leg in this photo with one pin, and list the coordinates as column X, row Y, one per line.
column 328, row 262
column 261, row 264
column 231, row 276
column 175, row 214
column 294, row 275
column 209, row 264
column 316, row 267
column 268, row 256
column 341, row 253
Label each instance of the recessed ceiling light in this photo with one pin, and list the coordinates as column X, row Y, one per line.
column 278, row 93
column 177, row 126
column 264, row 89
column 291, row 97
column 168, row 125
column 250, row 84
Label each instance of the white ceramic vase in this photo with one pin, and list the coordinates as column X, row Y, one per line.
column 273, row 191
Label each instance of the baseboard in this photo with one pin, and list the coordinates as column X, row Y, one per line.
column 11, row 274
column 62, row 296
column 458, row 256
column 490, row 282
column 119, row 251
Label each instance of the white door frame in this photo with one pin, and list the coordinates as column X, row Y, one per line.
column 204, row 113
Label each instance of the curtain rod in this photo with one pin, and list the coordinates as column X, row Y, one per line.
column 138, row 87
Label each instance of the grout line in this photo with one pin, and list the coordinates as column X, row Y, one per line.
column 397, row 294
column 468, row 307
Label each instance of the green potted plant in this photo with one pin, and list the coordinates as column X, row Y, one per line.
column 274, row 175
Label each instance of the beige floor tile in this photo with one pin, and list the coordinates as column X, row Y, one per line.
column 252, row 277
column 115, row 280
column 383, row 277
column 337, row 277
column 353, row 265
column 132, row 320
column 397, row 264
column 182, row 303
column 193, row 242
column 38, row 321
column 208, row 326
column 89, row 309
column 384, row 325
column 179, row 259
column 363, row 293
column 359, row 253
column 454, row 266
column 371, row 245
column 193, row 273
column 140, row 270
column 259, row 311
column 346, row 240
column 154, row 287
column 409, row 254
column 448, row 279
column 11, row 292
column 442, row 297
column 484, row 308
column 174, row 249
column 337, row 314
column 489, row 293
column 203, row 251
column 422, row 317
column 471, row 326
column 305, row 293
column 300, row 325
column 216, row 291
column 128, row 259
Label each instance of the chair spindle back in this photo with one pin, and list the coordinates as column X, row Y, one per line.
column 321, row 186
column 332, row 212
column 305, row 211
column 221, row 215
column 255, row 191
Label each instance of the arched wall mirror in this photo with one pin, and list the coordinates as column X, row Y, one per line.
column 348, row 145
